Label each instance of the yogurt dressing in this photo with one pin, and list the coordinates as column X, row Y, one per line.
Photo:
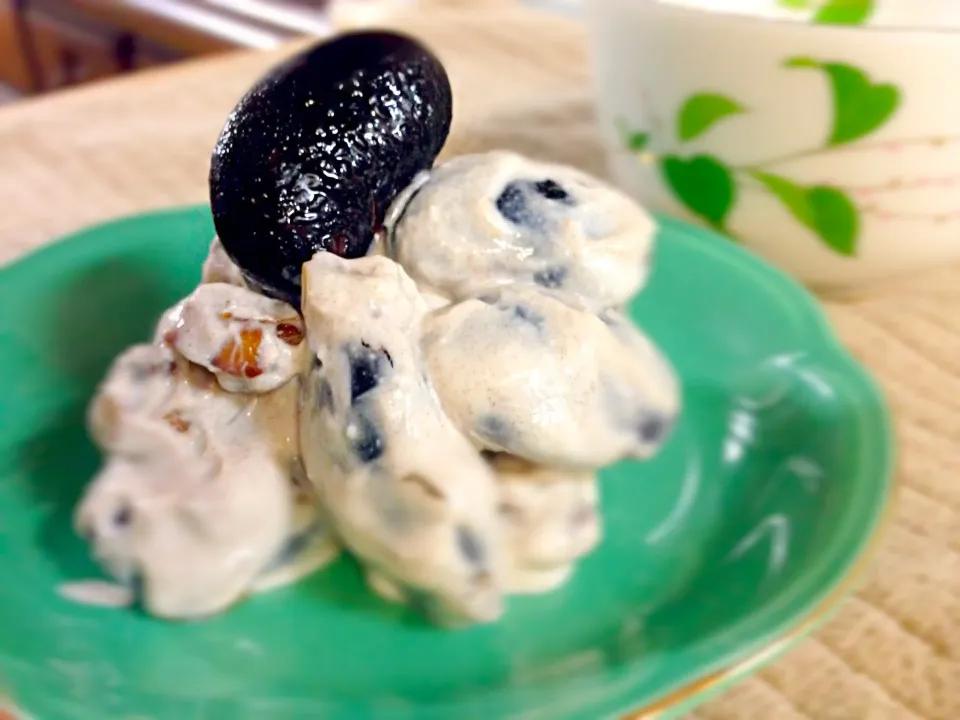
column 219, row 268
column 523, row 373
column 196, row 503
column 251, row 343
column 440, row 406
column 550, row 519
column 500, row 219
column 405, row 490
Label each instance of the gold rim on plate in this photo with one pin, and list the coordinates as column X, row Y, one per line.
column 847, row 587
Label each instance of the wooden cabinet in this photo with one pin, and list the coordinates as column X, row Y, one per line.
column 13, row 67
column 64, row 50
column 50, row 44
column 47, row 45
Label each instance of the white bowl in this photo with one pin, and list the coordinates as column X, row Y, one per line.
column 832, row 151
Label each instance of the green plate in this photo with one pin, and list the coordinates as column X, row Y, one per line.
column 733, row 541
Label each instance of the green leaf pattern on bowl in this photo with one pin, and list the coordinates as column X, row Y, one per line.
column 833, row 12
column 709, row 186
column 703, row 110
column 704, row 184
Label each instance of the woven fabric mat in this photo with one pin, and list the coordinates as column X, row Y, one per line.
column 522, row 81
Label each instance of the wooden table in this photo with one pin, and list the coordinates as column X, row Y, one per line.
column 521, row 81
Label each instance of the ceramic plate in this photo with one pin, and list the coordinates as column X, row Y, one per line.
column 727, row 546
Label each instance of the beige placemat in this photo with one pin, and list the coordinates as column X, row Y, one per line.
column 521, row 81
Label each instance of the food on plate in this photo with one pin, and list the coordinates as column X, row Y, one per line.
column 499, row 218
column 424, row 366
column 404, row 488
column 200, row 498
column 549, row 519
column 524, row 373
column 251, row 343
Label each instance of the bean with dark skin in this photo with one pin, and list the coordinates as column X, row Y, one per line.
column 312, row 156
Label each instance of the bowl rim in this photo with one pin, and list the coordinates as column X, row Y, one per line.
column 809, row 26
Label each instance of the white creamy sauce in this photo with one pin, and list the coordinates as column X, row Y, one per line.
column 98, row 592
column 569, row 232
column 196, row 498
column 250, row 342
column 219, row 268
column 406, row 491
column 440, row 408
column 550, row 518
column 521, row 372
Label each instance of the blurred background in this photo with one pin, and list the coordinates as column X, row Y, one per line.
column 47, row 45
